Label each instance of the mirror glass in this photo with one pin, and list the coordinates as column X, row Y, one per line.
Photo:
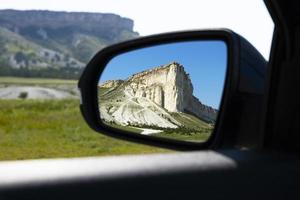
column 170, row 90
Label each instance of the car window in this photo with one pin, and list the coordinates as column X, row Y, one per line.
column 44, row 46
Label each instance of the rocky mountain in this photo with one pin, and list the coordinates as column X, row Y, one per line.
column 56, row 44
column 161, row 97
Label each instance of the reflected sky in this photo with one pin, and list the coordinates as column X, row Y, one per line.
column 205, row 61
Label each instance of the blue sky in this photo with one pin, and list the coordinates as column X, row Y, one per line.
column 205, row 61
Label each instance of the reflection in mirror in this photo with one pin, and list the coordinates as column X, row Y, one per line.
column 171, row 90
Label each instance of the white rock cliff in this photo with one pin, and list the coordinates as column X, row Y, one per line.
column 168, row 87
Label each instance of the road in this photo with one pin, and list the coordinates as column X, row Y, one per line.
column 147, row 131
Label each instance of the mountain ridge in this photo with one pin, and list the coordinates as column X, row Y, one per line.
column 74, row 36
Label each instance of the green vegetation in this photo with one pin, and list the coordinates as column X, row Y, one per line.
column 87, row 46
column 57, row 46
column 102, row 90
column 63, row 72
column 193, row 137
column 190, row 121
column 31, row 129
column 35, row 81
column 200, row 134
column 32, row 60
column 124, row 128
column 23, row 95
column 186, row 134
column 193, row 129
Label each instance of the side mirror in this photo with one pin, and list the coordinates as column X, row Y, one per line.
column 171, row 90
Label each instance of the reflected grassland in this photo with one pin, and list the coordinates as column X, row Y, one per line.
column 186, row 134
column 123, row 128
column 181, row 133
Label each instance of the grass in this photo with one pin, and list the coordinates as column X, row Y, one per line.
column 102, row 90
column 32, row 129
column 124, row 128
column 193, row 136
column 190, row 121
column 34, row 81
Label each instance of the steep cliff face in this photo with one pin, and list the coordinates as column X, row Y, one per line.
column 167, row 88
column 171, row 88
column 163, row 85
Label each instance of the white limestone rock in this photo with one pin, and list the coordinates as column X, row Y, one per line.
column 148, row 97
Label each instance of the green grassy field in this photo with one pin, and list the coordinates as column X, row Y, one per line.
column 34, row 81
column 31, row 129
column 191, row 137
column 124, row 128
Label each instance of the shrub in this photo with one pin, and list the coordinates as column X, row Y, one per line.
column 23, row 95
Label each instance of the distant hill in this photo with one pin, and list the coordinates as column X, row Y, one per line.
column 56, row 44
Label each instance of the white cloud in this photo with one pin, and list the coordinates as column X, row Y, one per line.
column 249, row 18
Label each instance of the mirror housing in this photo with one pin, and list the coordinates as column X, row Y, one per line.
column 245, row 76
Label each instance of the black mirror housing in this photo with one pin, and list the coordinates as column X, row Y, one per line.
column 245, row 76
